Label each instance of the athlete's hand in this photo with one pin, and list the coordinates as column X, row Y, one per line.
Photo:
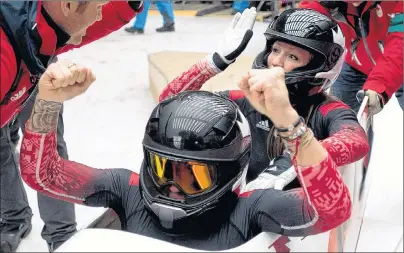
column 63, row 81
column 257, row 101
column 236, row 38
column 268, row 88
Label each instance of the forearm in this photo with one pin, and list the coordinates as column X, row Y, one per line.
column 348, row 145
column 306, row 150
column 192, row 79
column 327, row 194
column 44, row 117
column 321, row 181
column 45, row 171
column 41, row 166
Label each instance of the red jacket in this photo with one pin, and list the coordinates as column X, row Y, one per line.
column 386, row 75
column 115, row 15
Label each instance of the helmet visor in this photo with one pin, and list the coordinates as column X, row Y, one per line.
column 191, row 177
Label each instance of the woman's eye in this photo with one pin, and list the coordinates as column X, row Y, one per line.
column 293, row 57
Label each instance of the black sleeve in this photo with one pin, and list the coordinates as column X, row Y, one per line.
column 109, row 188
column 282, row 212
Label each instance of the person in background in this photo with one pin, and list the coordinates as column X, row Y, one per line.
column 165, row 8
column 240, row 6
column 374, row 39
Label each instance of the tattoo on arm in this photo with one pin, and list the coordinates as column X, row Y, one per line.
column 44, row 117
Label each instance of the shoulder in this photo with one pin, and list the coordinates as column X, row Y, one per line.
column 332, row 105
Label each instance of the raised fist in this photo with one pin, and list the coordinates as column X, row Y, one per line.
column 63, row 81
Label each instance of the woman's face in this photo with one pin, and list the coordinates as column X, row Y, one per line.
column 287, row 56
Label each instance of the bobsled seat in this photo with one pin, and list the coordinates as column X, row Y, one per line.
column 164, row 66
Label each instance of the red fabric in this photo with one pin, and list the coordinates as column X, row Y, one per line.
column 387, row 75
column 347, row 145
column 115, row 15
column 49, row 44
column 45, row 171
column 328, row 195
column 192, row 79
column 329, row 107
column 8, row 70
column 236, row 94
column 134, row 179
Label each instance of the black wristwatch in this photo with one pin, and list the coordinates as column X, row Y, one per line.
column 135, row 5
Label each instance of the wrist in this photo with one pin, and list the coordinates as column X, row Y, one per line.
column 219, row 62
column 285, row 118
column 47, row 98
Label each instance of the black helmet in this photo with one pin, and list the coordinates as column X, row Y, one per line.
column 316, row 33
column 200, row 143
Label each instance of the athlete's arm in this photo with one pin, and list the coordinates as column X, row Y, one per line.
column 192, row 79
column 45, row 171
column 347, row 141
column 322, row 203
column 234, row 42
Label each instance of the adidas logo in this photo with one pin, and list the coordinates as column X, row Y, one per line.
column 263, row 125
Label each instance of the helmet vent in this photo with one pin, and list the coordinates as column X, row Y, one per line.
column 301, row 23
column 195, row 112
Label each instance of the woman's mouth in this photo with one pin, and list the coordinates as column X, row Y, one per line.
column 174, row 193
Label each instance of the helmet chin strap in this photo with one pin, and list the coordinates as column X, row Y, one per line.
column 167, row 214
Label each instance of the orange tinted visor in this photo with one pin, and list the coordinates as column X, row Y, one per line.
column 191, row 176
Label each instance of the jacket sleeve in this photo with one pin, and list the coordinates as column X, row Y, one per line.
column 347, row 141
column 115, row 15
column 387, row 76
column 8, row 65
column 192, row 79
column 321, row 204
column 46, row 172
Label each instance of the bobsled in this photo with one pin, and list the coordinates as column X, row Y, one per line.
column 105, row 234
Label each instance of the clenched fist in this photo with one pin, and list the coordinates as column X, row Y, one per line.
column 268, row 93
column 63, row 81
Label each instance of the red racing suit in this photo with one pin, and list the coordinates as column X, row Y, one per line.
column 25, row 50
column 373, row 38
